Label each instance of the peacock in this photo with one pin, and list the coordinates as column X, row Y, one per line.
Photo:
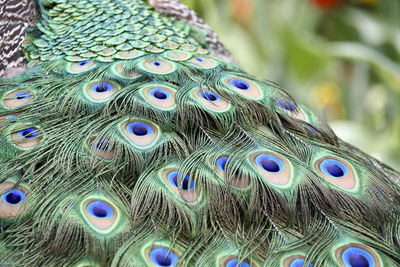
column 129, row 136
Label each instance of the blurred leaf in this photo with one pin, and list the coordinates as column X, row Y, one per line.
column 304, row 56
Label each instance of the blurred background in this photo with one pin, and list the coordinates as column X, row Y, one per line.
column 339, row 57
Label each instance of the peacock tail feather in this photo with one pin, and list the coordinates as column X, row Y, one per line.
column 129, row 142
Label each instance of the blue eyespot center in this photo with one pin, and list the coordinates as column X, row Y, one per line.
column 160, row 93
column 357, row 257
column 12, row 117
column 187, row 182
column 199, row 59
column 234, row 263
column 333, row 168
column 13, row 196
column 101, row 145
column 22, row 95
column 360, row 261
column 298, row 263
column 221, row 162
column 83, row 63
column 286, row 105
column 28, row 133
column 102, row 87
column 270, row 163
column 208, row 95
column 139, row 128
column 240, row 84
column 157, row 63
column 163, row 257
column 100, row 209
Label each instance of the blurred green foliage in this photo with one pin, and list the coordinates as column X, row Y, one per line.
column 344, row 63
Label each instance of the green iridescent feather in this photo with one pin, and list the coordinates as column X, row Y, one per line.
column 126, row 143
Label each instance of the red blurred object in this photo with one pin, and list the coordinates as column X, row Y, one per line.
column 327, row 4
column 242, row 11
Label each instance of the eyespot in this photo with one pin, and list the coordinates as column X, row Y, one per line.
column 7, row 119
column 270, row 163
column 187, row 183
column 11, row 118
column 22, row 95
column 100, row 91
column 244, row 87
column 142, row 134
column 162, row 97
column 204, row 62
column 157, row 66
column 336, row 171
column 102, row 87
column 81, row 66
column 100, row 214
column 160, row 94
column 100, row 209
column 295, row 261
column 333, row 168
column 13, row 197
column 159, row 256
column 209, row 96
column 273, row 167
column 18, row 98
column 357, row 255
column 298, row 263
column 235, row 263
column 232, row 261
column 28, row 133
column 139, row 128
column 186, row 189
column 103, row 148
column 120, row 70
column 13, row 200
column 237, row 180
column 211, row 100
column 240, row 84
column 177, row 55
column 287, row 106
column 25, row 136
column 221, row 162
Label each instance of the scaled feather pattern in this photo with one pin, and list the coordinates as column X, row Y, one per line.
column 130, row 142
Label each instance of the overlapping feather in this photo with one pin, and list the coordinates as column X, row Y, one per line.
column 150, row 161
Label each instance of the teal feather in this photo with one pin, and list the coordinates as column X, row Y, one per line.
column 126, row 143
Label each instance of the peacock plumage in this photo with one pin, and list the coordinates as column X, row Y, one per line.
column 131, row 138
